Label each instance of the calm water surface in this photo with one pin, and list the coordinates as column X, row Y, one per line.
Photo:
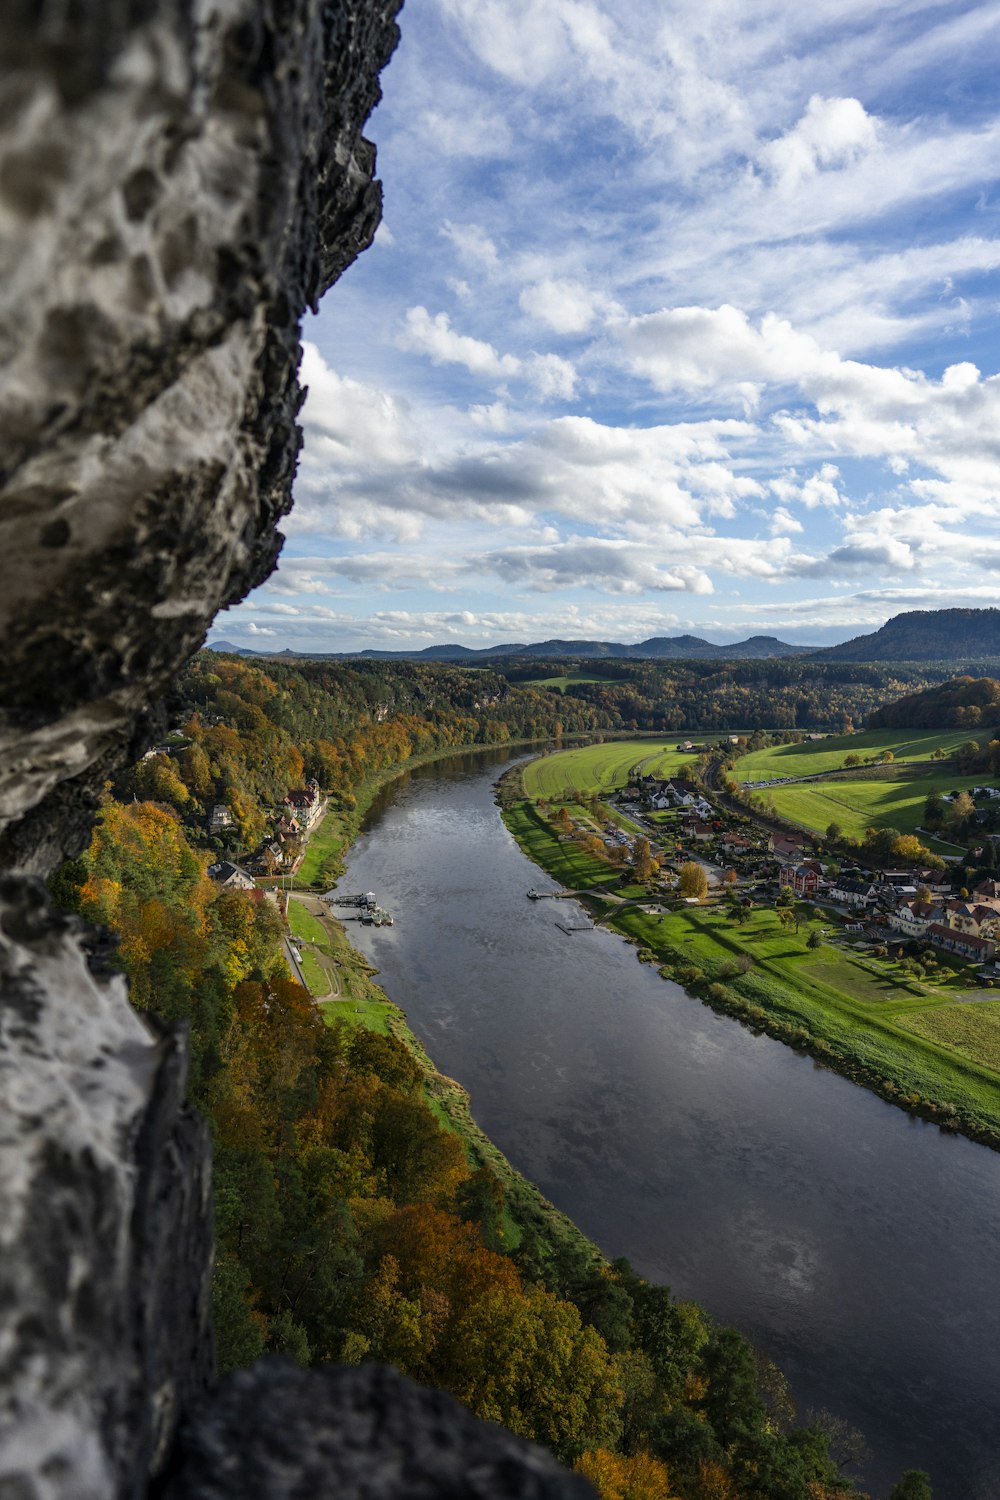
column 857, row 1246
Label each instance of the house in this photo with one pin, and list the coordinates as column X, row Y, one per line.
column 965, row 916
column 854, row 893
column 987, row 891
column 913, row 918
column 736, row 843
column 231, row 877
column 785, row 847
column 964, row 944
column 304, row 803
column 219, row 818
column 803, row 879
column 697, row 828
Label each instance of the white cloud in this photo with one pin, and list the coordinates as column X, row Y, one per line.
column 833, row 133
column 436, row 337
column 550, row 376
column 610, row 566
column 472, row 243
column 565, row 305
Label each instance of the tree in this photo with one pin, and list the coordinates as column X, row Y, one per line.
column 834, row 832
column 933, row 810
column 693, row 880
column 640, row 1477
column 962, row 809
column 914, row 1485
column 642, row 860
column 813, row 940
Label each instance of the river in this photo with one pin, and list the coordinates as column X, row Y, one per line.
column 857, row 1246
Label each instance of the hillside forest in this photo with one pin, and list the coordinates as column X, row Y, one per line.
column 350, row 1223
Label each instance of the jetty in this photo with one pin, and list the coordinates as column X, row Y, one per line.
column 365, row 903
column 362, row 899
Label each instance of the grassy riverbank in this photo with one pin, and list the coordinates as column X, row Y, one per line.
column 919, row 1043
column 343, row 983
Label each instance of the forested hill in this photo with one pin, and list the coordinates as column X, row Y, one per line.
column 960, row 703
column 956, row 635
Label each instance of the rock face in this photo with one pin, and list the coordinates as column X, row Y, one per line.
column 179, row 180
column 276, row 1432
column 106, row 1230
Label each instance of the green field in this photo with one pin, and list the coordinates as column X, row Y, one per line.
column 566, row 681
column 304, row 925
column 602, row 768
column 814, row 757
column 972, row 1029
column 857, row 805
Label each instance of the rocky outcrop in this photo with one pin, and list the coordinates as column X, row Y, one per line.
column 276, row 1432
column 106, row 1229
column 179, row 180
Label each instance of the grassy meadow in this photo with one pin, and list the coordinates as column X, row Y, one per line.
column 603, row 768
column 857, row 805
column 816, row 757
column 566, row 681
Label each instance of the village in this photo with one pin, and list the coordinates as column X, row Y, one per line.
column 909, row 907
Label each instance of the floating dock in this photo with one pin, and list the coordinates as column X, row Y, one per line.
column 367, row 907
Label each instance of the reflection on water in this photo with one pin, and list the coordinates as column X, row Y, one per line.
column 857, row 1246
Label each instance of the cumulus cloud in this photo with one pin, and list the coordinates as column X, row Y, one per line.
column 435, row 337
column 565, row 305
column 833, row 133
column 552, row 377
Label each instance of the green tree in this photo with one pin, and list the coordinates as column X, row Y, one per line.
column 813, row 940
column 915, row 1484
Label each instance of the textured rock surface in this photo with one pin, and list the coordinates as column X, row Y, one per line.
column 278, row 1433
column 179, row 179
column 105, row 1235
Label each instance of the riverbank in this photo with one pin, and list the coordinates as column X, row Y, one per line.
column 819, row 1001
column 344, row 986
column 323, row 861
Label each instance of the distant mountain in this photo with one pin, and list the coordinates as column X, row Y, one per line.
column 230, row 649
column 926, row 635
column 675, row 648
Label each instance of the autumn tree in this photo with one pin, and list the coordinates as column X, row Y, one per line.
column 643, row 862
column 693, row 881
column 614, row 1477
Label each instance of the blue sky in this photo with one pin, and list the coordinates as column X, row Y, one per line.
column 680, row 319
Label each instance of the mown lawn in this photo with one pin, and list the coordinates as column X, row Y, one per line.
column 857, row 805
column 813, row 757
column 304, row 925
column 602, row 768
